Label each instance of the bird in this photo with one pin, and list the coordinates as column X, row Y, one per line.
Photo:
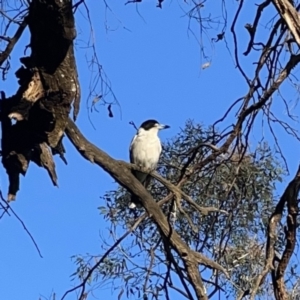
column 144, row 151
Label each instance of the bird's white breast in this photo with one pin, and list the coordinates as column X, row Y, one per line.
column 145, row 150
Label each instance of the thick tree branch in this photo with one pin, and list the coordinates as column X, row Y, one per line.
column 177, row 191
column 291, row 17
column 48, row 87
column 288, row 198
column 123, row 176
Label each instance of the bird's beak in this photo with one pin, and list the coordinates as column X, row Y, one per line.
column 162, row 126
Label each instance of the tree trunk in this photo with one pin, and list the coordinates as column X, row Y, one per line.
column 48, row 86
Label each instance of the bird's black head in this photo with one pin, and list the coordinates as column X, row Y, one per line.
column 147, row 125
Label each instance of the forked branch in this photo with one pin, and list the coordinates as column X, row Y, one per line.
column 12, row 42
column 289, row 198
column 123, row 176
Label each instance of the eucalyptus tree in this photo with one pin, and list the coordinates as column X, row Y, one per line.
column 212, row 219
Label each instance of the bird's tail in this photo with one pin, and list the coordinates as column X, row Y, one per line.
column 145, row 180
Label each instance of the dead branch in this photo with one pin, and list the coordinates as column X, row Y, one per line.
column 252, row 28
column 48, row 87
column 291, row 17
column 288, row 198
column 248, row 110
column 12, row 42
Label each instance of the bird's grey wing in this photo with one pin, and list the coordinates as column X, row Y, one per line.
column 148, row 178
column 131, row 149
column 139, row 175
column 134, row 199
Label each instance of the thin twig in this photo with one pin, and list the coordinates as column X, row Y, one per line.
column 10, row 46
column 23, row 224
column 89, row 274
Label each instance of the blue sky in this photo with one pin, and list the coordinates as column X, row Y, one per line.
column 155, row 71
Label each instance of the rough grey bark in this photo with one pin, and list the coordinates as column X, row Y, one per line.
column 48, row 86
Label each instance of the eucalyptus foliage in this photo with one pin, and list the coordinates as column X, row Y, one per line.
column 240, row 185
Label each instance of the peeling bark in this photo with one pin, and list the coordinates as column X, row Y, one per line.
column 48, row 87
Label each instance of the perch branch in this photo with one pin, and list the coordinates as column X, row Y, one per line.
column 124, row 177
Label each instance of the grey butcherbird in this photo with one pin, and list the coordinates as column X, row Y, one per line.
column 145, row 150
